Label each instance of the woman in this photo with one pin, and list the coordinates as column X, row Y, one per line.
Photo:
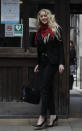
column 72, row 63
column 50, row 58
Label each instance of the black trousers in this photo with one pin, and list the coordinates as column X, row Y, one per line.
column 47, row 73
column 71, row 80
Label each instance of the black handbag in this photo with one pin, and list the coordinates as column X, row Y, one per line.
column 30, row 94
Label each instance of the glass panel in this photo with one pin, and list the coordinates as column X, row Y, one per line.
column 11, row 32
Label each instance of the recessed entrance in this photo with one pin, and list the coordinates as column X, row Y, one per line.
column 76, row 76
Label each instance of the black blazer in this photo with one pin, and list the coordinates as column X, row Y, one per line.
column 72, row 57
column 53, row 49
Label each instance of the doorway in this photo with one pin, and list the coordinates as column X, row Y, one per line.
column 76, row 89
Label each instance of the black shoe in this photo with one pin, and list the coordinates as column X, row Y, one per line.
column 54, row 122
column 36, row 125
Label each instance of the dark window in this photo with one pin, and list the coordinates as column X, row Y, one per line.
column 10, row 41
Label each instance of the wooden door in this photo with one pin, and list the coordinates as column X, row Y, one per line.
column 17, row 63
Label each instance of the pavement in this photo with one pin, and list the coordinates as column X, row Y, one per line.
column 71, row 124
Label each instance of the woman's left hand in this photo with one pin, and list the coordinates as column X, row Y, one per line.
column 61, row 68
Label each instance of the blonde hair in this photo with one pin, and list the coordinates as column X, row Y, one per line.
column 51, row 22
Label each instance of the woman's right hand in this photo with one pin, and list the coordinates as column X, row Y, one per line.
column 36, row 68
